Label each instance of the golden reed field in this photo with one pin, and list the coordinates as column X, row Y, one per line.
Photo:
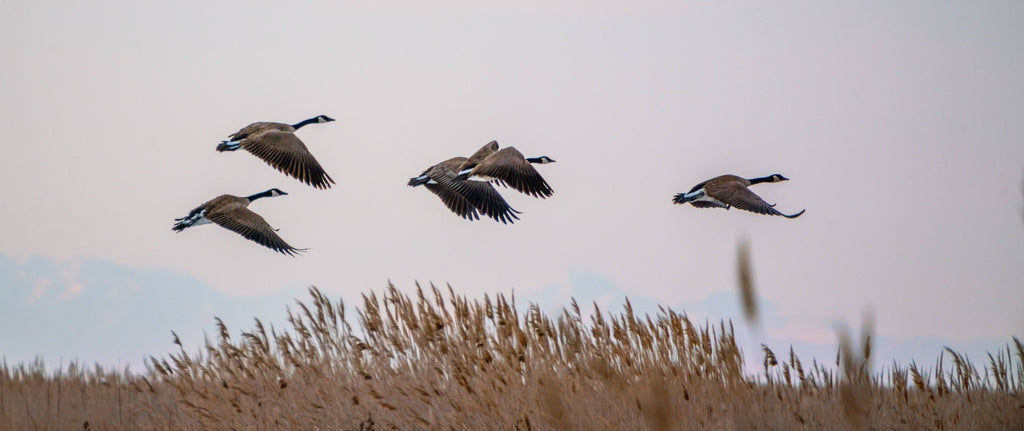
column 437, row 361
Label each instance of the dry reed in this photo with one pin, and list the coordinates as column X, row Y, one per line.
column 437, row 360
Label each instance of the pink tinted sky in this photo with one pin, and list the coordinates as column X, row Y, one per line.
column 900, row 126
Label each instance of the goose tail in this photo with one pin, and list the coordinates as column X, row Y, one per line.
column 418, row 181
column 682, row 198
column 227, row 146
column 190, row 220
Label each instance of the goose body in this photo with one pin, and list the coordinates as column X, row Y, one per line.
column 232, row 213
column 508, row 167
column 728, row 191
column 463, row 197
column 278, row 146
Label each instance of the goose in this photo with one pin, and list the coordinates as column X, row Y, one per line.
column 508, row 167
column 731, row 191
column 464, row 198
column 277, row 145
column 230, row 212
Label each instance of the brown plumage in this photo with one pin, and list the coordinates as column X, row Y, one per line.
column 479, row 156
column 232, row 213
column 731, row 191
column 465, row 198
column 508, row 167
column 277, row 145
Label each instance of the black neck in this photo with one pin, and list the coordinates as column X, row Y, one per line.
column 259, row 195
column 767, row 179
column 298, row 125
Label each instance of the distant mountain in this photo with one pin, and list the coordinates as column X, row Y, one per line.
column 810, row 337
column 103, row 312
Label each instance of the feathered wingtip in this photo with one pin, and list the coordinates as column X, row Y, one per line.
column 292, row 251
column 508, row 217
column 793, row 215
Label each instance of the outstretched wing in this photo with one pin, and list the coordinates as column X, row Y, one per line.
column 479, row 156
column 253, row 227
column 454, row 201
column 482, row 195
column 286, row 153
column 742, row 198
column 510, row 166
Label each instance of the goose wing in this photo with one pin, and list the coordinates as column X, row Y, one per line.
column 286, row 153
column 479, row 156
column 510, row 166
column 486, row 199
column 742, row 198
column 253, row 227
column 481, row 195
column 454, row 201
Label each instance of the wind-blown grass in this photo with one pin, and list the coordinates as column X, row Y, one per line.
column 435, row 360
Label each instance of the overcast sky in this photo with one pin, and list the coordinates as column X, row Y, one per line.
column 900, row 125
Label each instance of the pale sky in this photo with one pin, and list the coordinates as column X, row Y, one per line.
column 900, row 126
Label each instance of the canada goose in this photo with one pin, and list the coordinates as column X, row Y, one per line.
column 277, row 145
column 731, row 191
column 230, row 212
column 464, row 197
column 508, row 167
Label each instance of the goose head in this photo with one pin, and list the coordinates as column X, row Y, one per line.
column 276, row 192
column 776, row 178
column 543, row 160
column 323, row 119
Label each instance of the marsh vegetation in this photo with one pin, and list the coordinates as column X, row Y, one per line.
column 437, row 360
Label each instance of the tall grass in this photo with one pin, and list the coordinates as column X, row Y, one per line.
column 437, row 360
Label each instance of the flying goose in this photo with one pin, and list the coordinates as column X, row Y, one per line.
column 463, row 197
column 731, row 191
column 230, row 212
column 277, row 145
column 508, row 167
